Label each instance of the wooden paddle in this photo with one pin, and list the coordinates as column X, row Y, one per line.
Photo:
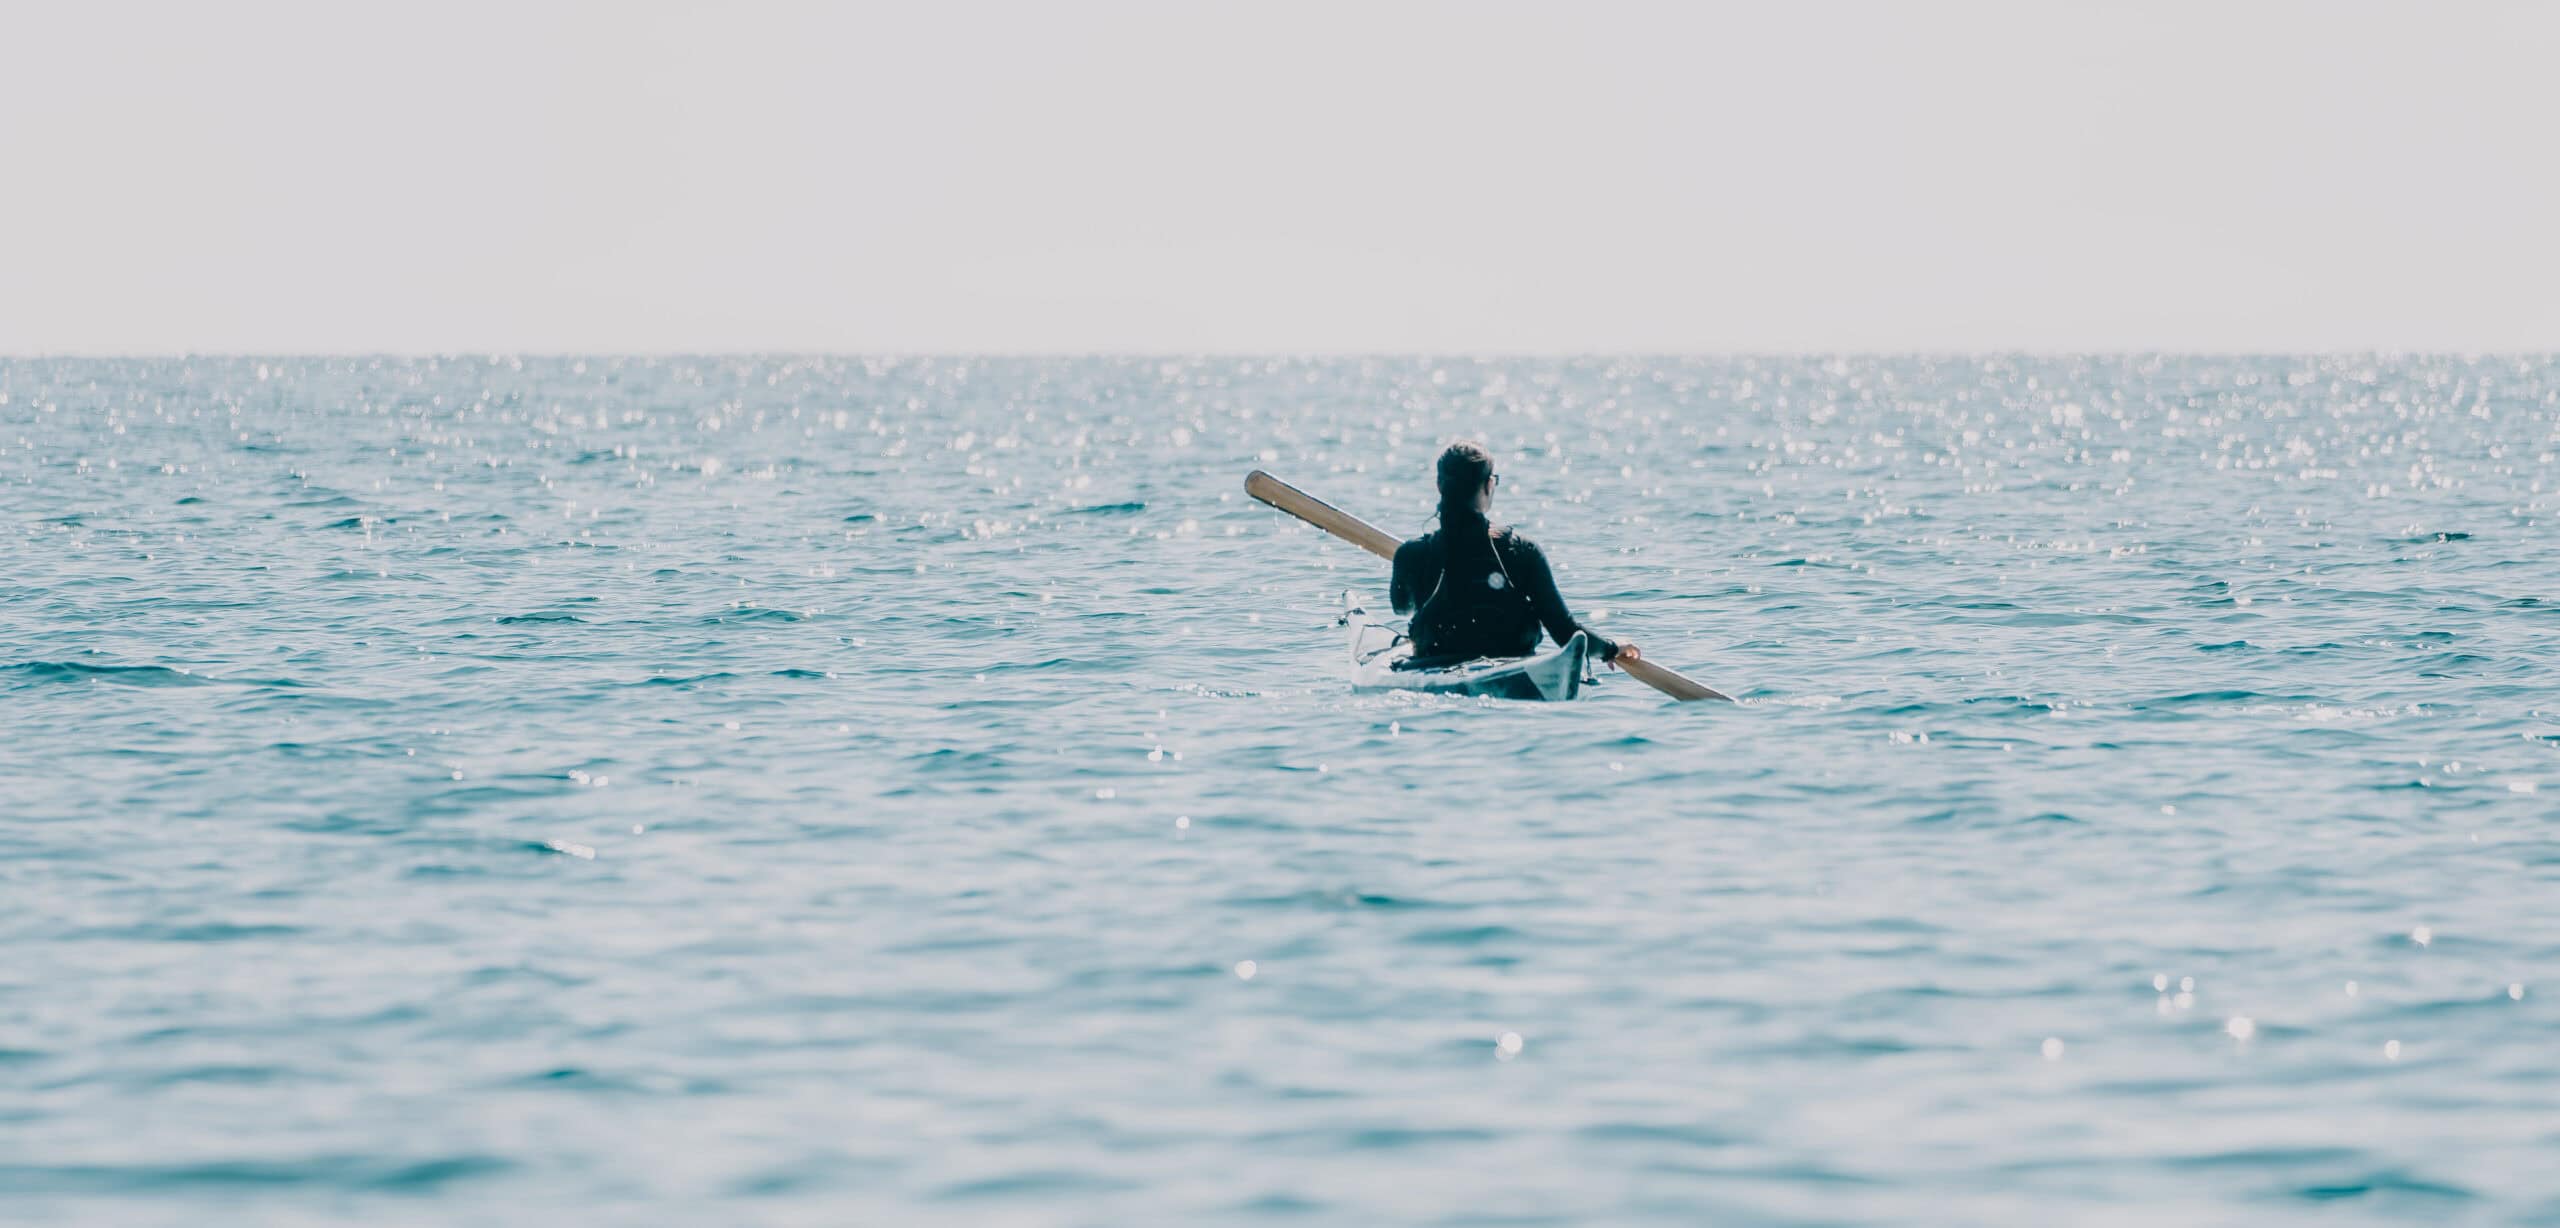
column 1369, row 537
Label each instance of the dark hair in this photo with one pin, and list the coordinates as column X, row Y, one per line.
column 1464, row 469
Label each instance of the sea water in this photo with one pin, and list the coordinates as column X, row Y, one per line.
column 829, row 791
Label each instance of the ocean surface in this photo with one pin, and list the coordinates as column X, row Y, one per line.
column 828, row 791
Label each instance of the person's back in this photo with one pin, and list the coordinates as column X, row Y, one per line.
column 1476, row 590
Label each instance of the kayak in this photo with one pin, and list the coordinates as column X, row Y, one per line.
column 1382, row 660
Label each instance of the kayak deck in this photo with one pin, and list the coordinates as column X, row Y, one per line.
column 1382, row 660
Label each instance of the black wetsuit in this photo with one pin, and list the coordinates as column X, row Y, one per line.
column 1478, row 591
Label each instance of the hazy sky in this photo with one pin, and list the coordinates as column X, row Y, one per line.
column 1302, row 176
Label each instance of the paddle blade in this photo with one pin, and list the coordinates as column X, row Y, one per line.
column 1669, row 681
column 1319, row 513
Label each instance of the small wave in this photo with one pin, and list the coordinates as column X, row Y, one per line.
column 323, row 1172
column 759, row 614
column 1106, row 509
column 119, row 675
column 539, row 616
column 1688, row 1134
column 234, row 1074
column 1464, row 936
column 2273, row 1156
column 1332, row 901
column 2387, row 1185
column 684, row 680
column 1034, row 667
column 210, row 931
column 1397, row 1138
column 2221, row 697
column 952, row 759
column 1038, row 1183
column 574, row 1078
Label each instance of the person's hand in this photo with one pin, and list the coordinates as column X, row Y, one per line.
column 1626, row 652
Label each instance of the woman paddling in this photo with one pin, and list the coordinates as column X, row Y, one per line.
column 1481, row 591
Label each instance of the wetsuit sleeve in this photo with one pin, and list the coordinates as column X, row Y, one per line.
column 1530, row 571
column 1412, row 578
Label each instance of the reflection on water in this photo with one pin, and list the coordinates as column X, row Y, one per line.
column 827, row 790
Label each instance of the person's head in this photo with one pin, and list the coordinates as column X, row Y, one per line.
column 1466, row 477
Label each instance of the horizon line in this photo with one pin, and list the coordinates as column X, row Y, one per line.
column 2376, row 352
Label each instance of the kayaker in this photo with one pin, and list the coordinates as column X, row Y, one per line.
column 1475, row 590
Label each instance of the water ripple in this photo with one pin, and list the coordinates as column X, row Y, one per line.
column 833, row 789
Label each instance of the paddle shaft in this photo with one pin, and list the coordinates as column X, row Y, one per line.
column 1371, row 538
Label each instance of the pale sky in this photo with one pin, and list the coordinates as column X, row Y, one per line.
column 1210, row 176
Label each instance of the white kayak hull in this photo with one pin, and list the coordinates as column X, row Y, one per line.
column 1381, row 661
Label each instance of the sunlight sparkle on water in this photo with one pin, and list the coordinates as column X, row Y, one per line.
column 2012, row 730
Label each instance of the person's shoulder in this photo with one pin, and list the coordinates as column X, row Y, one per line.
column 1418, row 545
column 1511, row 538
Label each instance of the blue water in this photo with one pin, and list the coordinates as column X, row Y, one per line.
column 828, row 791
